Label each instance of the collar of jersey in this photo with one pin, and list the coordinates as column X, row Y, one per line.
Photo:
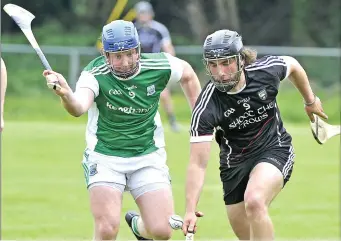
column 238, row 91
column 131, row 77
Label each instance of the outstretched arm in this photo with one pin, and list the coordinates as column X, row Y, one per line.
column 199, row 156
column 182, row 72
column 190, row 84
column 76, row 103
column 299, row 78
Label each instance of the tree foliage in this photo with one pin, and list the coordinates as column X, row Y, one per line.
column 272, row 22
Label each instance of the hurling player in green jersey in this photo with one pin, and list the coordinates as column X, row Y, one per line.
column 120, row 91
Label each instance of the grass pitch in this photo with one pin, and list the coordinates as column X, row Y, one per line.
column 44, row 195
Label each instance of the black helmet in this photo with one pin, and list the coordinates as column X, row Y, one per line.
column 223, row 44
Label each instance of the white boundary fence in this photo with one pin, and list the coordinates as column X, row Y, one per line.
column 75, row 53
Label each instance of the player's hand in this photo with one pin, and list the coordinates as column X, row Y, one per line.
column 52, row 78
column 315, row 108
column 189, row 224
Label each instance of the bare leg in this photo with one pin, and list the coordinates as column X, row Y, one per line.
column 238, row 220
column 156, row 207
column 105, row 205
column 266, row 181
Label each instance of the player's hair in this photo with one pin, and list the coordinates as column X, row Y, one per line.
column 249, row 55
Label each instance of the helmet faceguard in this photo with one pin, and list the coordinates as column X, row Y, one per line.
column 232, row 79
column 121, row 37
column 223, row 45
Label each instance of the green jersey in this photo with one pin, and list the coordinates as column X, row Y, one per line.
column 124, row 120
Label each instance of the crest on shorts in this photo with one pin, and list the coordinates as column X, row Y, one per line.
column 262, row 94
column 150, row 90
column 93, row 170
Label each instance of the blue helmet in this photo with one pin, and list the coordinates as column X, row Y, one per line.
column 119, row 35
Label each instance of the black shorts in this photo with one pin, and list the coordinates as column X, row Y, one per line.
column 235, row 178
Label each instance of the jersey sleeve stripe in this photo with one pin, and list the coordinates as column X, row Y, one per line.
column 207, row 138
column 199, row 109
column 155, row 67
column 266, row 60
column 154, row 63
column 265, row 66
column 100, row 72
column 266, row 63
column 154, row 60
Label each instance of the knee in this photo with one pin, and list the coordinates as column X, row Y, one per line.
column 161, row 232
column 255, row 204
column 106, row 229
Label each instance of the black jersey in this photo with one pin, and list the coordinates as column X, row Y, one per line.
column 246, row 122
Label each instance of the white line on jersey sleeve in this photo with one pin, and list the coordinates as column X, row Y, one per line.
column 177, row 68
column 88, row 80
column 289, row 61
column 207, row 138
column 200, row 108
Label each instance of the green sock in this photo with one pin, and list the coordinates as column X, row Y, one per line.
column 134, row 226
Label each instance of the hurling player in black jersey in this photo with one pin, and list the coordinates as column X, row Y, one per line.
column 238, row 107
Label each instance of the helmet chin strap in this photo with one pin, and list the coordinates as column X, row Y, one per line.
column 238, row 75
column 226, row 88
column 125, row 75
column 236, row 81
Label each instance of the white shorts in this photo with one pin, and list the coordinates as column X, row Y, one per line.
column 126, row 173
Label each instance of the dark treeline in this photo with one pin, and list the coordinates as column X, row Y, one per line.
column 261, row 22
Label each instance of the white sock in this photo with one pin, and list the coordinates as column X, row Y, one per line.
column 134, row 226
column 138, row 228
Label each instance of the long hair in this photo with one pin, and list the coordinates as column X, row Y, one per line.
column 249, row 55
